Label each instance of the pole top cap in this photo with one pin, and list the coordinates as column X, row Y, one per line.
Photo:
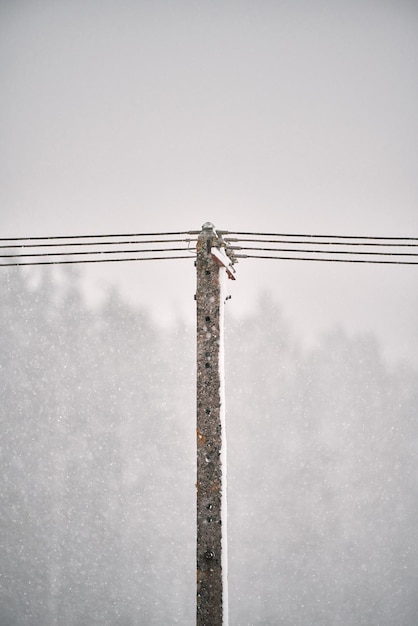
column 208, row 226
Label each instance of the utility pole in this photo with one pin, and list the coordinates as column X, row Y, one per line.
column 212, row 266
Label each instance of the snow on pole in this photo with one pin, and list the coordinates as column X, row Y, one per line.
column 212, row 266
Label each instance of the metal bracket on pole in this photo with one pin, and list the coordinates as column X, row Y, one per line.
column 212, row 593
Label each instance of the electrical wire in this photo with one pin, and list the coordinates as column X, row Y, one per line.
column 61, row 237
column 112, row 260
column 315, row 251
column 96, row 243
column 330, row 260
column 119, row 247
column 322, row 243
column 310, row 236
column 91, row 252
column 330, row 248
column 109, row 248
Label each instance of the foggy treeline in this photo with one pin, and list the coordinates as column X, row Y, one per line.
column 98, row 469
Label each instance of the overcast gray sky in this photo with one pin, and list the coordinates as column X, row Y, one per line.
column 281, row 116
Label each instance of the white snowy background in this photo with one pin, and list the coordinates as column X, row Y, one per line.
column 268, row 116
column 273, row 116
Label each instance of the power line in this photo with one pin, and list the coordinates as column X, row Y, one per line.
column 81, row 248
column 112, row 236
column 330, row 248
column 330, row 260
column 322, row 243
column 315, row 251
column 91, row 252
column 315, row 236
column 95, row 243
column 221, row 232
column 66, row 249
column 106, row 260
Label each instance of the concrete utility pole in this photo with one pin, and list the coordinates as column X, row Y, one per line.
column 212, row 265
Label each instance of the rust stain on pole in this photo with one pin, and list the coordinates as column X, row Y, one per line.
column 211, row 604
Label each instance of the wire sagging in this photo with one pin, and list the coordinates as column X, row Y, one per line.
column 64, row 249
column 324, row 248
column 96, row 248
